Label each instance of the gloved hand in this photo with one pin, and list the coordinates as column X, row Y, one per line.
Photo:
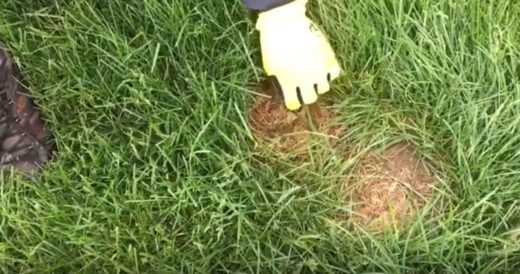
column 297, row 53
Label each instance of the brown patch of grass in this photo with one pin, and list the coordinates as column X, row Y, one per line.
column 286, row 131
column 394, row 185
column 388, row 188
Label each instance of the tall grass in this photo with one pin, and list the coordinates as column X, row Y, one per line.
column 158, row 172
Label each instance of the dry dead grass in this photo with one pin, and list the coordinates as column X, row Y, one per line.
column 286, row 131
column 390, row 187
column 387, row 188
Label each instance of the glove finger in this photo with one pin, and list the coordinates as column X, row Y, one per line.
column 290, row 97
column 308, row 94
column 323, row 87
column 334, row 71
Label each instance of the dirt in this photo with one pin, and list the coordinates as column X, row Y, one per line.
column 393, row 185
column 287, row 131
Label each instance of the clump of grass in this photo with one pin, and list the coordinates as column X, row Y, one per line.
column 157, row 170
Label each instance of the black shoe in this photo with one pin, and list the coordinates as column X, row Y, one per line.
column 25, row 143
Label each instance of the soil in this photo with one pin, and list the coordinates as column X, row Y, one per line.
column 287, row 131
column 393, row 186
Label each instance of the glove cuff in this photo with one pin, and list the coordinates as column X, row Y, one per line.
column 282, row 14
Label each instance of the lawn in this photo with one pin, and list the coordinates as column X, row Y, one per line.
column 158, row 170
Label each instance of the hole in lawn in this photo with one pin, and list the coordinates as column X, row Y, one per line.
column 286, row 131
column 389, row 188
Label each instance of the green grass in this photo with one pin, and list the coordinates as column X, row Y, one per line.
column 157, row 171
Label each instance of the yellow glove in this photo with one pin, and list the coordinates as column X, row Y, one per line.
column 297, row 53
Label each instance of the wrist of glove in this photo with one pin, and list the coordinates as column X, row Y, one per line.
column 282, row 15
column 296, row 52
